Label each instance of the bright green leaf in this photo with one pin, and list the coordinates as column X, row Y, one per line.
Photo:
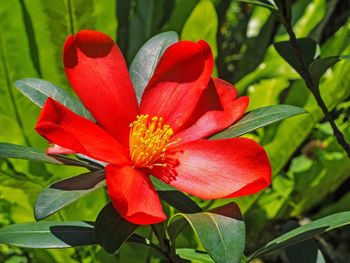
column 270, row 4
column 259, row 118
column 48, row 234
column 147, row 58
column 65, row 192
column 112, row 230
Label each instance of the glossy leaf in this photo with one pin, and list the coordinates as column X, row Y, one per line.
column 112, row 230
column 146, row 60
column 222, row 234
column 48, row 234
column 259, row 118
column 175, row 198
column 8, row 150
column 303, row 252
column 65, row 192
column 305, row 232
column 307, row 48
column 38, row 91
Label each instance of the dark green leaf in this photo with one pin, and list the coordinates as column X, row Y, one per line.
column 38, row 91
column 175, row 198
column 194, row 255
column 259, row 118
column 264, row 3
column 8, row 150
column 15, row 151
column 222, row 234
column 112, row 230
column 63, row 193
column 305, row 232
column 48, row 234
column 303, row 252
column 318, row 67
column 307, row 48
column 146, row 60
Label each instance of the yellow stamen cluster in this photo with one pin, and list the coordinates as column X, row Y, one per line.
column 148, row 141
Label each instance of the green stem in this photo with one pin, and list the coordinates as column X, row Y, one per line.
column 165, row 244
column 311, row 85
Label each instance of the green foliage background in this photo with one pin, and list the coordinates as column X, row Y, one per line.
column 311, row 171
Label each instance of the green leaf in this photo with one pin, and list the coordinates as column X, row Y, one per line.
column 144, row 23
column 222, row 232
column 305, row 232
column 48, row 234
column 259, row 118
column 303, row 252
column 175, row 198
column 65, row 192
column 147, row 58
column 38, row 91
column 319, row 66
column 194, row 255
column 112, row 230
column 307, row 48
column 8, row 150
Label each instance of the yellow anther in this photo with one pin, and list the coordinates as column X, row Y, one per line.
column 148, row 141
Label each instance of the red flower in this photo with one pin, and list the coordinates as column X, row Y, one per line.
column 180, row 106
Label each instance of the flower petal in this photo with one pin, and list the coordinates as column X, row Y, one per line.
column 211, row 169
column 133, row 195
column 61, row 126
column 182, row 74
column 216, row 110
column 96, row 69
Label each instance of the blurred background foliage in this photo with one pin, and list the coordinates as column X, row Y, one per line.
column 311, row 173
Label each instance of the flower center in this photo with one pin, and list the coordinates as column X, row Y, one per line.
column 148, row 141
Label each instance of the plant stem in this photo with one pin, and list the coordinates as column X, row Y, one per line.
column 165, row 244
column 311, row 85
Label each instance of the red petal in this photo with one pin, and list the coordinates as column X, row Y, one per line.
column 181, row 76
column 133, row 195
column 218, row 168
column 96, row 69
column 61, row 126
column 216, row 110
